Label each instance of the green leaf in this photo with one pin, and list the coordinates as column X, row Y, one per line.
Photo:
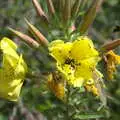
column 88, row 116
column 2, row 117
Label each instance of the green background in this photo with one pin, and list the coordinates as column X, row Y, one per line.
column 37, row 102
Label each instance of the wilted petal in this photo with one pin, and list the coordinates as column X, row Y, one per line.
column 56, row 85
column 112, row 61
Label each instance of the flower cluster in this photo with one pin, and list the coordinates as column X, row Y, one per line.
column 76, row 61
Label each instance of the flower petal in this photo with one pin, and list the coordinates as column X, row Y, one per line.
column 12, row 72
column 83, row 48
column 60, row 50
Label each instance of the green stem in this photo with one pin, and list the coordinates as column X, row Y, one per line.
column 67, row 103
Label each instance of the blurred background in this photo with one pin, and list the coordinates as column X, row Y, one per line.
column 37, row 102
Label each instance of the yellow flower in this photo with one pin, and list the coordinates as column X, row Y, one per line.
column 76, row 60
column 12, row 71
column 57, row 85
column 111, row 61
column 92, row 88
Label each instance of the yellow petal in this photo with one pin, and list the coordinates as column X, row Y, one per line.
column 8, row 47
column 82, row 49
column 7, row 43
column 12, row 72
column 92, row 88
column 77, row 82
column 59, row 50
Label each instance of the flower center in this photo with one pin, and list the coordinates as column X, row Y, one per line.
column 70, row 61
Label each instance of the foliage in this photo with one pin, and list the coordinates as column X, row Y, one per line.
column 37, row 102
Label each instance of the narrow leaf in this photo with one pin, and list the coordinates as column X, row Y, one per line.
column 40, row 11
column 111, row 45
column 67, row 11
column 26, row 38
column 75, row 8
column 62, row 3
column 42, row 39
column 89, row 116
column 51, row 7
column 90, row 15
column 100, row 87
